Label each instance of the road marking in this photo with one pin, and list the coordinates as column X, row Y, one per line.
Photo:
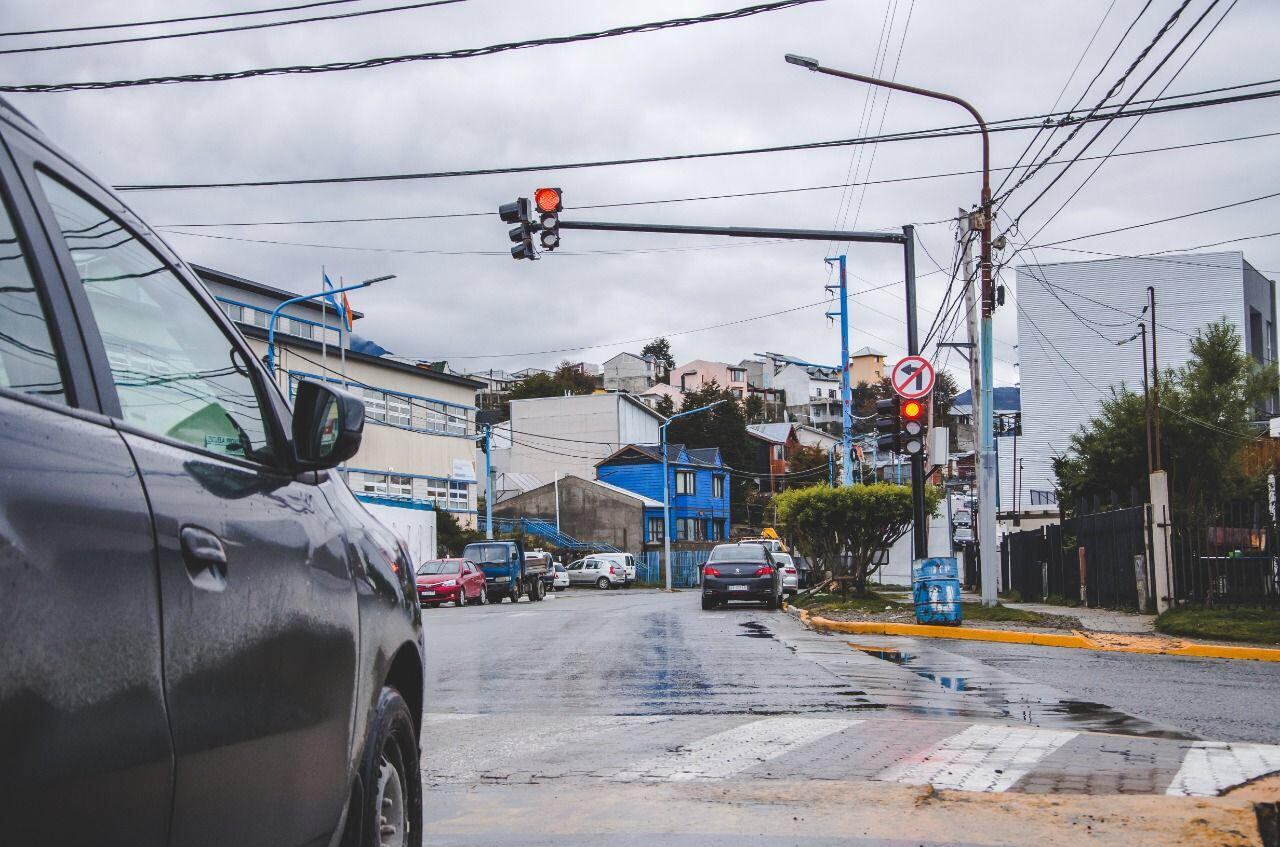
column 1211, row 767
column 982, row 758
column 726, row 753
column 444, row 717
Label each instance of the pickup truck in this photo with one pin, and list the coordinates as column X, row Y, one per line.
column 507, row 573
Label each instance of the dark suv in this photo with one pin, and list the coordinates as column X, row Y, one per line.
column 741, row 572
column 204, row 638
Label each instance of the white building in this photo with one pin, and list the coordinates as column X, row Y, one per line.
column 418, row 448
column 1074, row 319
column 547, row 436
column 631, row 373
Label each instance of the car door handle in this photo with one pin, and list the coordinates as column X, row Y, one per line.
column 205, row 558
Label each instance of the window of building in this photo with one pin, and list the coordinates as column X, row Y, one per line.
column 737, row 393
column 398, row 410
column 232, row 310
column 737, row 375
column 686, row 482
column 458, row 495
column 373, row 483
column 375, row 404
column 655, row 529
column 400, row 486
column 177, row 374
column 717, row 486
column 28, row 359
column 684, row 529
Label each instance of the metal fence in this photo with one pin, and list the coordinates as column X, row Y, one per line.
column 1104, row 552
column 1224, row 555
column 686, row 567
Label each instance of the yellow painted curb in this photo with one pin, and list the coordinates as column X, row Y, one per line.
column 1076, row 640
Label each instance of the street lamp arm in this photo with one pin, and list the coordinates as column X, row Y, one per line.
column 275, row 314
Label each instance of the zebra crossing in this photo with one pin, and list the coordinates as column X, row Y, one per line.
column 462, row 749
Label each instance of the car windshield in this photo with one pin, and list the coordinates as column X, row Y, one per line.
column 559, row 568
column 487, row 554
column 438, row 566
column 738, row 553
column 782, row 558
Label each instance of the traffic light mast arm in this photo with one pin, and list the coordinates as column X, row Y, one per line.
column 743, row 232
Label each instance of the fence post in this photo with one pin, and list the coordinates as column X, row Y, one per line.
column 1084, row 594
column 1160, row 539
column 1140, row 578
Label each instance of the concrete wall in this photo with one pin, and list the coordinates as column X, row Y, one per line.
column 588, row 512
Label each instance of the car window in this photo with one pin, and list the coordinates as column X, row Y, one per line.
column 176, row 372
column 739, row 553
column 28, row 360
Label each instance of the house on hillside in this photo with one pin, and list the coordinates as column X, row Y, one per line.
column 651, row 395
column 697, row 481
column 700, row 373
column 774, row 444
column 630, row 372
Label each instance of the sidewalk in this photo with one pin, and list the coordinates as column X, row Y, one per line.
column 1095, row 620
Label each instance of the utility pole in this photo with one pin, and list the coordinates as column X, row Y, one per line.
column 846, row 391
column 1155, row 377
column 1146, row 393
column 488, row 482
column 985, row 519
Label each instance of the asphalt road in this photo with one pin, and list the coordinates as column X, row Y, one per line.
column 633, row 717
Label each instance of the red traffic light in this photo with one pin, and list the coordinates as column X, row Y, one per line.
column 912, row 410
column 547, row 199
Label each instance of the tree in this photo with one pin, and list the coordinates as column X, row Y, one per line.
column 944, row 395
column 450, row 536
column 724, row 427
column 1206, row 408
column 843, row 529
column 566, row 379
column 755, row 410
column 660, row 349
column 808, row 465
column 665, row 406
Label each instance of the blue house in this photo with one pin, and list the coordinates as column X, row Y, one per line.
column 699, row 487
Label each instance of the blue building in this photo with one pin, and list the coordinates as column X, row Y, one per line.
column 699, row 486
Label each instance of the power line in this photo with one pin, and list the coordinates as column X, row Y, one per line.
column 362, row 64
column 218, row 16
column 917, row 135
column 242, row 28
column 1138, row 120
column 697, row 198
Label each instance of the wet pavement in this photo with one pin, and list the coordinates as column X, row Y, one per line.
column 630, row 694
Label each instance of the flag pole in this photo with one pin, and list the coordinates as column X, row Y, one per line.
column 324, row 326
column 343, row 340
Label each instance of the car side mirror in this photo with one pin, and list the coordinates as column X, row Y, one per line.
column 327, row 425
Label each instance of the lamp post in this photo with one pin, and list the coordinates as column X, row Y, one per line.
column 987, row 528
column 275, row 313
column 666, row 485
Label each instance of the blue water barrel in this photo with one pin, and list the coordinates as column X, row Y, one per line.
column 936, row 590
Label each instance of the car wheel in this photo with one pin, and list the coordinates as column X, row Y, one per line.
column 484, row 597
column 462, row 598
column 539, row 590
column 772, row 603
column 603, row 583
column 708, row 604
column 514, row 594
column 386, row 803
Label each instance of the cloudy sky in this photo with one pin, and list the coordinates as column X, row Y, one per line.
column 716, row 86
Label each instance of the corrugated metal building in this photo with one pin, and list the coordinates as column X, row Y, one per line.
column 1073, row 320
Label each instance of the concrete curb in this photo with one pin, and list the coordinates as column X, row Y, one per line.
column 1076, row 640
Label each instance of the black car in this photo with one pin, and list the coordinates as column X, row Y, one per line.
column 205, row 639
column 741, row 572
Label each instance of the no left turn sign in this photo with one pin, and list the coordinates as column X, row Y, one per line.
column 912, row 377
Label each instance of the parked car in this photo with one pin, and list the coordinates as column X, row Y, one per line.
column 627, row 561
column 962, row 518
column 560, row 577
column 790, row 574
column 204, row 636
column 963, row 534
column 744, row 571
column 454, row 581
column 544, row 562
column 599, row 572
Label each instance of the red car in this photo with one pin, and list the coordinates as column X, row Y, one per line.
column 456, row 581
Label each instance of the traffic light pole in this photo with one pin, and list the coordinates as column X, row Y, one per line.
column 907, row 239
column 846, row 390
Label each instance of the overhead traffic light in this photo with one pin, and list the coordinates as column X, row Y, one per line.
column 549, row 205
column 522, row 233
column 911, row 413
column 888, row 423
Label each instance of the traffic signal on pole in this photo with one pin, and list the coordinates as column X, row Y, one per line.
column 549, row 205
column 911, row 413
column 522, row 233
column 888, row 423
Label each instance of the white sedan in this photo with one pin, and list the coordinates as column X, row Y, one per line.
column 790, row 576
column 561, row 577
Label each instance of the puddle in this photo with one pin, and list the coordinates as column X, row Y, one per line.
column 754, row 630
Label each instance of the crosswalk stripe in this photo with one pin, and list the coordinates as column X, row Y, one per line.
column 726, row 753
column 1211, row 767
column 981, row 758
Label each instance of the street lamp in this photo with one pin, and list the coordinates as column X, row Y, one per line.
column 275, row 313
column 666, row 484
column 987, row 528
